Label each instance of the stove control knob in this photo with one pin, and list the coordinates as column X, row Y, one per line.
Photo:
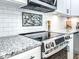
column 52, row 44
column 67, row 37
column 47, row 46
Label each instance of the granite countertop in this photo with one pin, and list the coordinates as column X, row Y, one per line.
column 70, row 32
column 67, row 32
column 13, row 45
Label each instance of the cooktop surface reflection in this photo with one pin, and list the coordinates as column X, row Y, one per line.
column 42, row 35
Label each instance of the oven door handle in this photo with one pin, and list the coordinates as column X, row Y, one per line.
column 55, row 2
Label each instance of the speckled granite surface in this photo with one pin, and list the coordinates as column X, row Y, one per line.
column 13, row 45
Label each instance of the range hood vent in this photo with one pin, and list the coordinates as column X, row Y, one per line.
column 39, row 6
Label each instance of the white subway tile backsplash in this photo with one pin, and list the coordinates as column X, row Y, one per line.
column 11, row 22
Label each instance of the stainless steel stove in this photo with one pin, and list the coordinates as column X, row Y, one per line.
column 52, row 42
column 42, row 35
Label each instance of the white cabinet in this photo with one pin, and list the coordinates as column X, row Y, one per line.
column 13, row 3
column 76, row 43
column 23, row 1
column 68, row 10
column 68, row 7
column 72, row 7
column 17, row 1
column 75, row 7
column 62, row 6
column 70, row 48
column 31, row 54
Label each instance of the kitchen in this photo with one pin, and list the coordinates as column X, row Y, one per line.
column 62, row 23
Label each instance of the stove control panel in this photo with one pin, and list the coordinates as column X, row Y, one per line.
column 67, row 37
column 49, row 45
column 54, row 45
column 57, row 48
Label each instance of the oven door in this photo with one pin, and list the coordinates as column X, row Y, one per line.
column 59, row 44
column 62, row 54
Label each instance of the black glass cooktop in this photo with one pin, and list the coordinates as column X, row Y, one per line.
column 41, row 35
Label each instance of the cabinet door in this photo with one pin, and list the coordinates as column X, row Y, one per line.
column 76, row 43
column 70, row 48
column 31, row 54
column 13, row 3
column 61, row 6
column 68, row 6
column 22, row 1
column 75, row 7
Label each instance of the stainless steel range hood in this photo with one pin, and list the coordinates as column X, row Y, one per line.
column 40, row 5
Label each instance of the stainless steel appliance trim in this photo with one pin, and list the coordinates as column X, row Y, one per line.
column 42, row 3
column 55, row 2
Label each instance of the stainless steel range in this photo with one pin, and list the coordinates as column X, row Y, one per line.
column 52, row 42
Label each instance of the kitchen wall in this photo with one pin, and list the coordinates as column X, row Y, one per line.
column 11, row 21
column 58, row 22
column 74, row 21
